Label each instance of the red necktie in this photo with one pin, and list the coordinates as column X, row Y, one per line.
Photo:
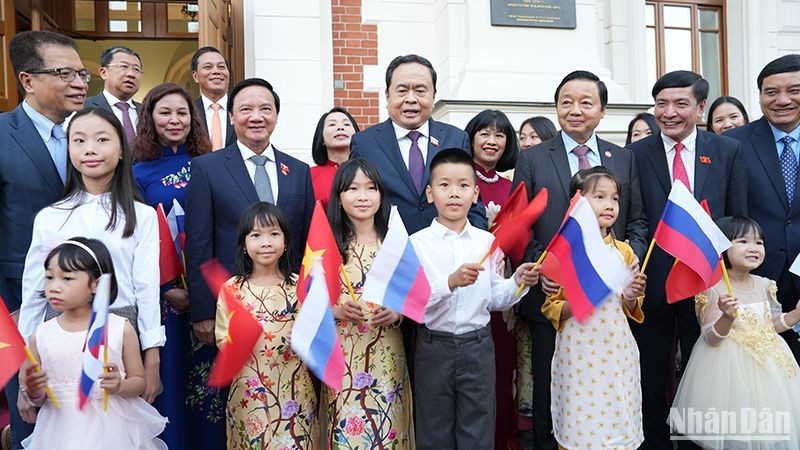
column 678, row 169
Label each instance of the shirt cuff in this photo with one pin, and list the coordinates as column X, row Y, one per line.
column 156, row 337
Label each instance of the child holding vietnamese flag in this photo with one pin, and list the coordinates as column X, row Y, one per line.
column 596, row 398
column 272, row 403
column 374, row 405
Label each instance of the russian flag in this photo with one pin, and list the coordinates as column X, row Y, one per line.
column 688, row 233
column 95, row 338
column 175, row 220
column 315, row 338
column 589, row 271
column 396, row 279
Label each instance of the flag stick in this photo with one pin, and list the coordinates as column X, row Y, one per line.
column 183, row 277
column 105, row 391
column 727, row 282
column 347, row 283
column 538, row 264
column 47, row 389
column 647, row 256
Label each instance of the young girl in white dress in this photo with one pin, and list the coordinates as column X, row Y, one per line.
column 596, row 399
column 72, row 273
column 740, row 368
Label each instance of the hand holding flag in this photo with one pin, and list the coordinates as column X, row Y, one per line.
column 96, row 337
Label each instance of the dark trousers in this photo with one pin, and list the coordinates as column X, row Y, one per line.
column 543, row 343
column 788, row 297
column 455, row 393
column 11, row 289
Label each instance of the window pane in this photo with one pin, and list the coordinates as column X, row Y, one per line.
column 650, row 14
column 124, row 17
column 182, row 18
column 707, row 19
column 652, row 66
column 84, row 15
column 677, row 16
column 710, row 62
column 678, row 49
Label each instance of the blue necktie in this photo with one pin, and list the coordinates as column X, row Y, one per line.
column 59, row 149
column 789, row 167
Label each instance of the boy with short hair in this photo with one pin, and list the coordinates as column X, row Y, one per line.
column 454, row 356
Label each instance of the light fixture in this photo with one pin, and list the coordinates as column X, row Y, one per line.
column 189, row 11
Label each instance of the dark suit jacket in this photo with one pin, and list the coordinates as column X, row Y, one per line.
column 99, row 101
column 378, row 144
column 721, row 179
column 29, row 181
column 547, row 165
column 767, row 201
column 230, row 135
column 219, row 191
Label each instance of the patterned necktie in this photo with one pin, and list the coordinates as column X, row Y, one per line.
column 789, row 167
column 583, row 161
column 60, row 151
column 216, row 127
column 261, row 179
column 127, row 125
column 416, row 166
column 679, row 169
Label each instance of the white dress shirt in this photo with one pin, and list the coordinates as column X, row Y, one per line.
column 223, row 115
column 687, row 155
column 135, row 260
column 441, row 251
column 272, row 168
column 132, row 112
column 593, row 155
column 404, row 142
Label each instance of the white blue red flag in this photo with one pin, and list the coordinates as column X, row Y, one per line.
column 96, row 338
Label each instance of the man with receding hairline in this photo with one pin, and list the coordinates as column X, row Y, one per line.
column 211, row 72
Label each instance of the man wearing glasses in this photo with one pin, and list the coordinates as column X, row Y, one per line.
column 33, row 158
column 121, row 71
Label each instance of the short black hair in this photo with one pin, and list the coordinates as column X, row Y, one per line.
column 493, row 118
column 585, row 180
column 453, row 155
column 74, row 258
column 25, row 50
column 734, row 227
column 648, row 118
column 721, row 101
column 406, row 59
column 108, row 54
column 786, row 63
column 318, row 151
column 253, row 82
column 588, row 76
column 266, row 215
column 202, row 51
column 682, row 79
column 543, row 127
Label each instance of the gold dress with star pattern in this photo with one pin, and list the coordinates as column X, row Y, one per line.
column 596, row 395
column 750, row 371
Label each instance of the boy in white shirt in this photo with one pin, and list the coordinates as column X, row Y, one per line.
column 454, row 353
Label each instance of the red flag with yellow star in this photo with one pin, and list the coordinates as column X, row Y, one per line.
column 320, row 245
column 12, row 346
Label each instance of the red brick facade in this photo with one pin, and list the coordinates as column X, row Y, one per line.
column 354, row 46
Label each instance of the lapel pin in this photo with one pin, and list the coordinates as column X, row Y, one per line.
column 284, row 169
column 434, row 141
column 705, row 160
column 608, row 153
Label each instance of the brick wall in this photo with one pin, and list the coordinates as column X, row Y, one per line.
column 354, row 46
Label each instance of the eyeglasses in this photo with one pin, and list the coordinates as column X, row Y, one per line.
column 65, row 73
column 125, row 67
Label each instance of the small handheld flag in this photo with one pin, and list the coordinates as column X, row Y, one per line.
column 12, row 346
column 96, row 337
column 168, row 261
column 320, row 245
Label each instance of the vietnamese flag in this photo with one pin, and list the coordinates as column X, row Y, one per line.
column 169, row 263
column 320, row 245
column 12, row 346
column 243, row 329
column 515, row 204
column 513, row 234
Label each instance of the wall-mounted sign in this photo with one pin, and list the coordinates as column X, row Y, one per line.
column 534, row 13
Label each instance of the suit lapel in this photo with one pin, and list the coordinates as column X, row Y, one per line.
column 436, row 132
column 30, row 141
column 284, row 185
column 607, row 155
column 387, row 141
column 235, row 165
column 704, row 155
column 657, row 158
column 764, row 147
column 558, row 154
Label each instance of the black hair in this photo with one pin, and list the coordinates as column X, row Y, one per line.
column 492, row 118
column 202, row 51
column 25, row 50
column 588, row 76
column 453, row 155
column 72, row 258
column 253, row 82
column 543, row 127
column 406, row 59
column 648, row 118
column 266, row 215
column 721, row 101
column 682, row 79
column 318, row 150
column 108, row 54
column 122, row 187
column 734, row 227
column 585, row 180
column 784, row 64
column 341, row 225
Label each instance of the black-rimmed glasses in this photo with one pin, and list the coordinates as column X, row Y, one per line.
column 65, row 73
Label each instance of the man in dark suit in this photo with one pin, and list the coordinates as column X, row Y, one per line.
column 769, row 145
column 403, row 146
column 121, row 71
column 580, row 100
column 226, row 182
column 713, row 168
column 210, row 70
column 33, row 158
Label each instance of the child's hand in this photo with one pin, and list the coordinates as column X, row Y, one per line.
column 110, row 379
column 549, row 287
column 729, row 305
column 35, row 382
column 636, row 287
column 384, row 316
column 465, row 275
column 350, row 311
column 178, row 298
column 527, row 274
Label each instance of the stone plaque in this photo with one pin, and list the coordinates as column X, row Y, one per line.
column 534, row 13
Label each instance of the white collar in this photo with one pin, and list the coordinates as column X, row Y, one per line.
column 688, row 142
column 112, row 100
column 401, row 132
column 246, row 153
column 207, row 102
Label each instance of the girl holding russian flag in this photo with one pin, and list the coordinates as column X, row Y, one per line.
column 72, row 273
column 596, row 392
column 373, row 409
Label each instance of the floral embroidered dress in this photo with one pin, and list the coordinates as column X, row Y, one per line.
column 272, row 403
column 373, row 409
column 752, row 369
column 195, row 411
